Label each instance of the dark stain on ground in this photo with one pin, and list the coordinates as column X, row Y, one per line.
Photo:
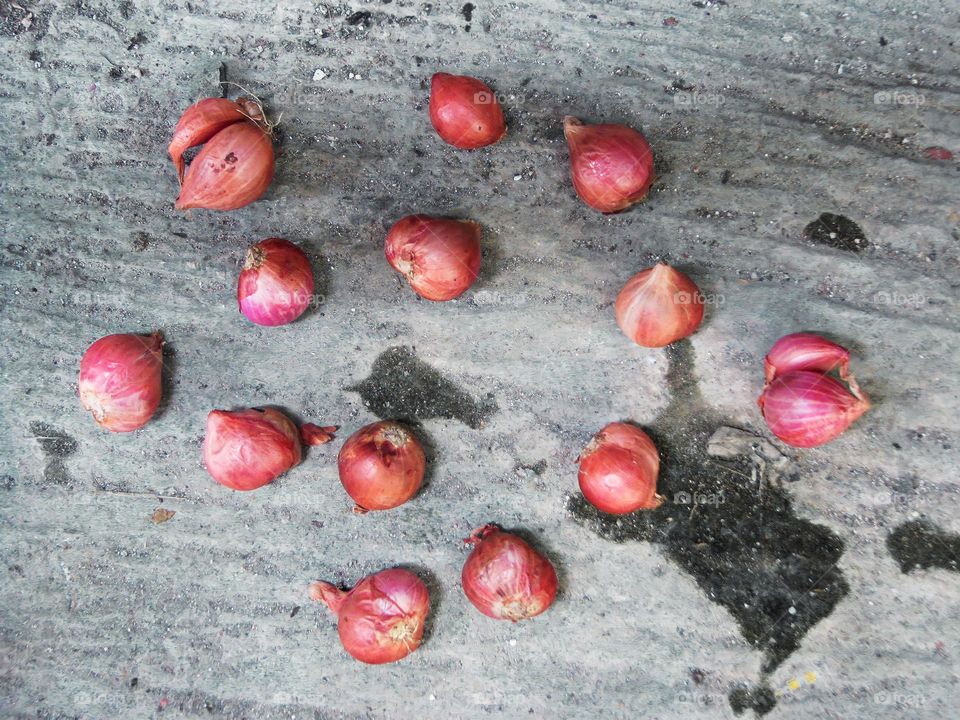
column 760, row 699
column 55, row 445
column 403, row 387
column 736, row 535
column 921, row 544
column 361, row 16
column 836, row 231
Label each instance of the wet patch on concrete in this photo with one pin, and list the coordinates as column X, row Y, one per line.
column 921, row 544
column 836, row 231
column 759, row 698
column 55, row 445
column 731, row 527
column 403, row 387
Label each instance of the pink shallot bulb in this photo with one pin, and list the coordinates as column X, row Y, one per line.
column 806, row 409
column 505, row 578
column 276, row 283
column 659, row 306
column 440, row 258
column 120, row 380
column 619, row 469
column 246, row 449
column 611, row 165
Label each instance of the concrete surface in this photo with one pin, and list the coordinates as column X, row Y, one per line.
column 763, row 117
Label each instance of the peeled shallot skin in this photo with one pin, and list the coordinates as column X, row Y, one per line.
column 233, row 169
column 381, row 466
column 611, row 165
column 381, row 620
column 120, row 380
column 246, row 449
column 806, row 409
column 439, row 257
column 465, row 111
column 619, row 469
column 505, row 578
column 659, row 306
column 276, row 284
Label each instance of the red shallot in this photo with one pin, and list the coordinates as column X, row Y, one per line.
column 276, row 283
column 120, row 380
column 658, row 306
column 465, row 112
column 381, row 466
column 806, row 409
column 439, row 257
column 611, row 165
column 235, row 165
column 246, row 449
column 505, row 578
column 381, row 619
column 618, row 470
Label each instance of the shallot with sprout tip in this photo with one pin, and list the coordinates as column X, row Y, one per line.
column 120, row 380
column 440, row 258
column 381, row 619
column 619, row 469
column 465, row 112
column 246, row 449
column 505, row 578
column 381, row 466
column 658, row 306
column 276, row 284
column 611, row 165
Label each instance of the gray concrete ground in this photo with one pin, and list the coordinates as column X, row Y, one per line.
column 797, row 595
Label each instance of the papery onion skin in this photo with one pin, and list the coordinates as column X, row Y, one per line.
column 381, row 466
column 658, row 306
column 232, row 170
column 611, row 165
column 619, row 469
column 505, row 578
column 246, row 449
column 440, row 258
column 313, row 435
column 806, row 409
column 381, row 619
column 465, row 111
column 121, row 380
column 200, row 122
column 276, row 284
column 805, row 351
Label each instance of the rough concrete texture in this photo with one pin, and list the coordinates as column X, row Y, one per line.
column 763, row 117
